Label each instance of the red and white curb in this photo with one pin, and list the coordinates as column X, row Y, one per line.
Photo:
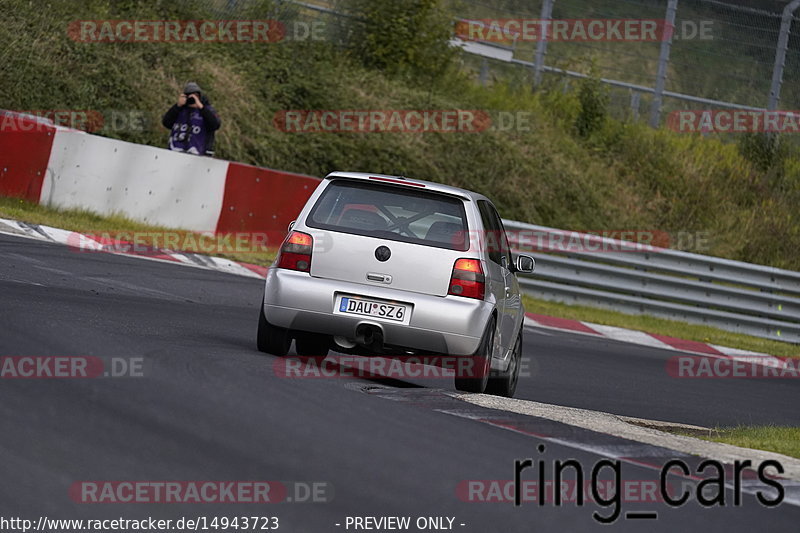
column 90, row 243
column 653, row 340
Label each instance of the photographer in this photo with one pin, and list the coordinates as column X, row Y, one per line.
column 193, row 122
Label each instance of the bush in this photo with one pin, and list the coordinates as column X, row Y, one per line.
column 761, row 149
column 593, row 99
column 401, row 37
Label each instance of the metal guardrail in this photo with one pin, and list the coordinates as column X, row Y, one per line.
column 585, row 269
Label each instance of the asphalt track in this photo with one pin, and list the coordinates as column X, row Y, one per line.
column 209, row 407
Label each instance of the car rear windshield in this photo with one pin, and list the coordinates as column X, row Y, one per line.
column 392, row 212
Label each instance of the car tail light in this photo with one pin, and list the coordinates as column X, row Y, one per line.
column 467, row 279
column 295, row 252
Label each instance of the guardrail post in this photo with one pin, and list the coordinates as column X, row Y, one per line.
column 663, row 62
column 780, row 55
column 484, row 73
column 635, row 99
column 541, row 47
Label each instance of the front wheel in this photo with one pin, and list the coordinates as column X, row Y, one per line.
column 272, row 339
column 476, row 376
column 506, row 383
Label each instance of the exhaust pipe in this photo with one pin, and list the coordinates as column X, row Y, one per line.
column 344, row 342
column 369, row 335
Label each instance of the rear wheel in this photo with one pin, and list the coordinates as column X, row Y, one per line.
column 272, row 339
column 476, row 376
column 506, row 383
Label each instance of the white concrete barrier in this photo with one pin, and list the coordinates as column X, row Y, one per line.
column 144, row 183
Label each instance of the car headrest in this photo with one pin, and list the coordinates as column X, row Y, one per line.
column 363, row 219
column 449, row 232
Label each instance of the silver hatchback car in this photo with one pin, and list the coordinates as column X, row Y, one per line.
column 389, row 266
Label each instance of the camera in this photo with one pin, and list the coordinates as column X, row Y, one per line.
column 191, row 99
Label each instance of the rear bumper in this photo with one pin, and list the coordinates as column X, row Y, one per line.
column 440, row 325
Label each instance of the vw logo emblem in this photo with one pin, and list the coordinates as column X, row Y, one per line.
column 382, row 253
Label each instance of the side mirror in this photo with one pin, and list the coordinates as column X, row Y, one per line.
column 291, row 225
column 524, row 264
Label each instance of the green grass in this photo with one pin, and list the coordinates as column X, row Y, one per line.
column 778, row 439
column 623, row 176
column 124, row 228
column 661, row 326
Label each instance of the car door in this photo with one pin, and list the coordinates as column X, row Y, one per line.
column 496, row 275
column 513, row 301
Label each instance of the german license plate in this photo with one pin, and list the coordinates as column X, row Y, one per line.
column 364, row 307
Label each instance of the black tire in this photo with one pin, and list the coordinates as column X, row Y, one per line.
column 476, row 379
column 312, row 345
column 506, row 383
column 272, row 339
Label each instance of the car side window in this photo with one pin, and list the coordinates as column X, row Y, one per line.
column 494, row 237
column 502, row 238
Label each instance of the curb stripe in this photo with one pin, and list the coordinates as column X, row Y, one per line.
column 643, row 338
column 632, row 336
column 561, row 323
column 687, row 345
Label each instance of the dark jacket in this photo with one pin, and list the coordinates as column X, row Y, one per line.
column 210, row 119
